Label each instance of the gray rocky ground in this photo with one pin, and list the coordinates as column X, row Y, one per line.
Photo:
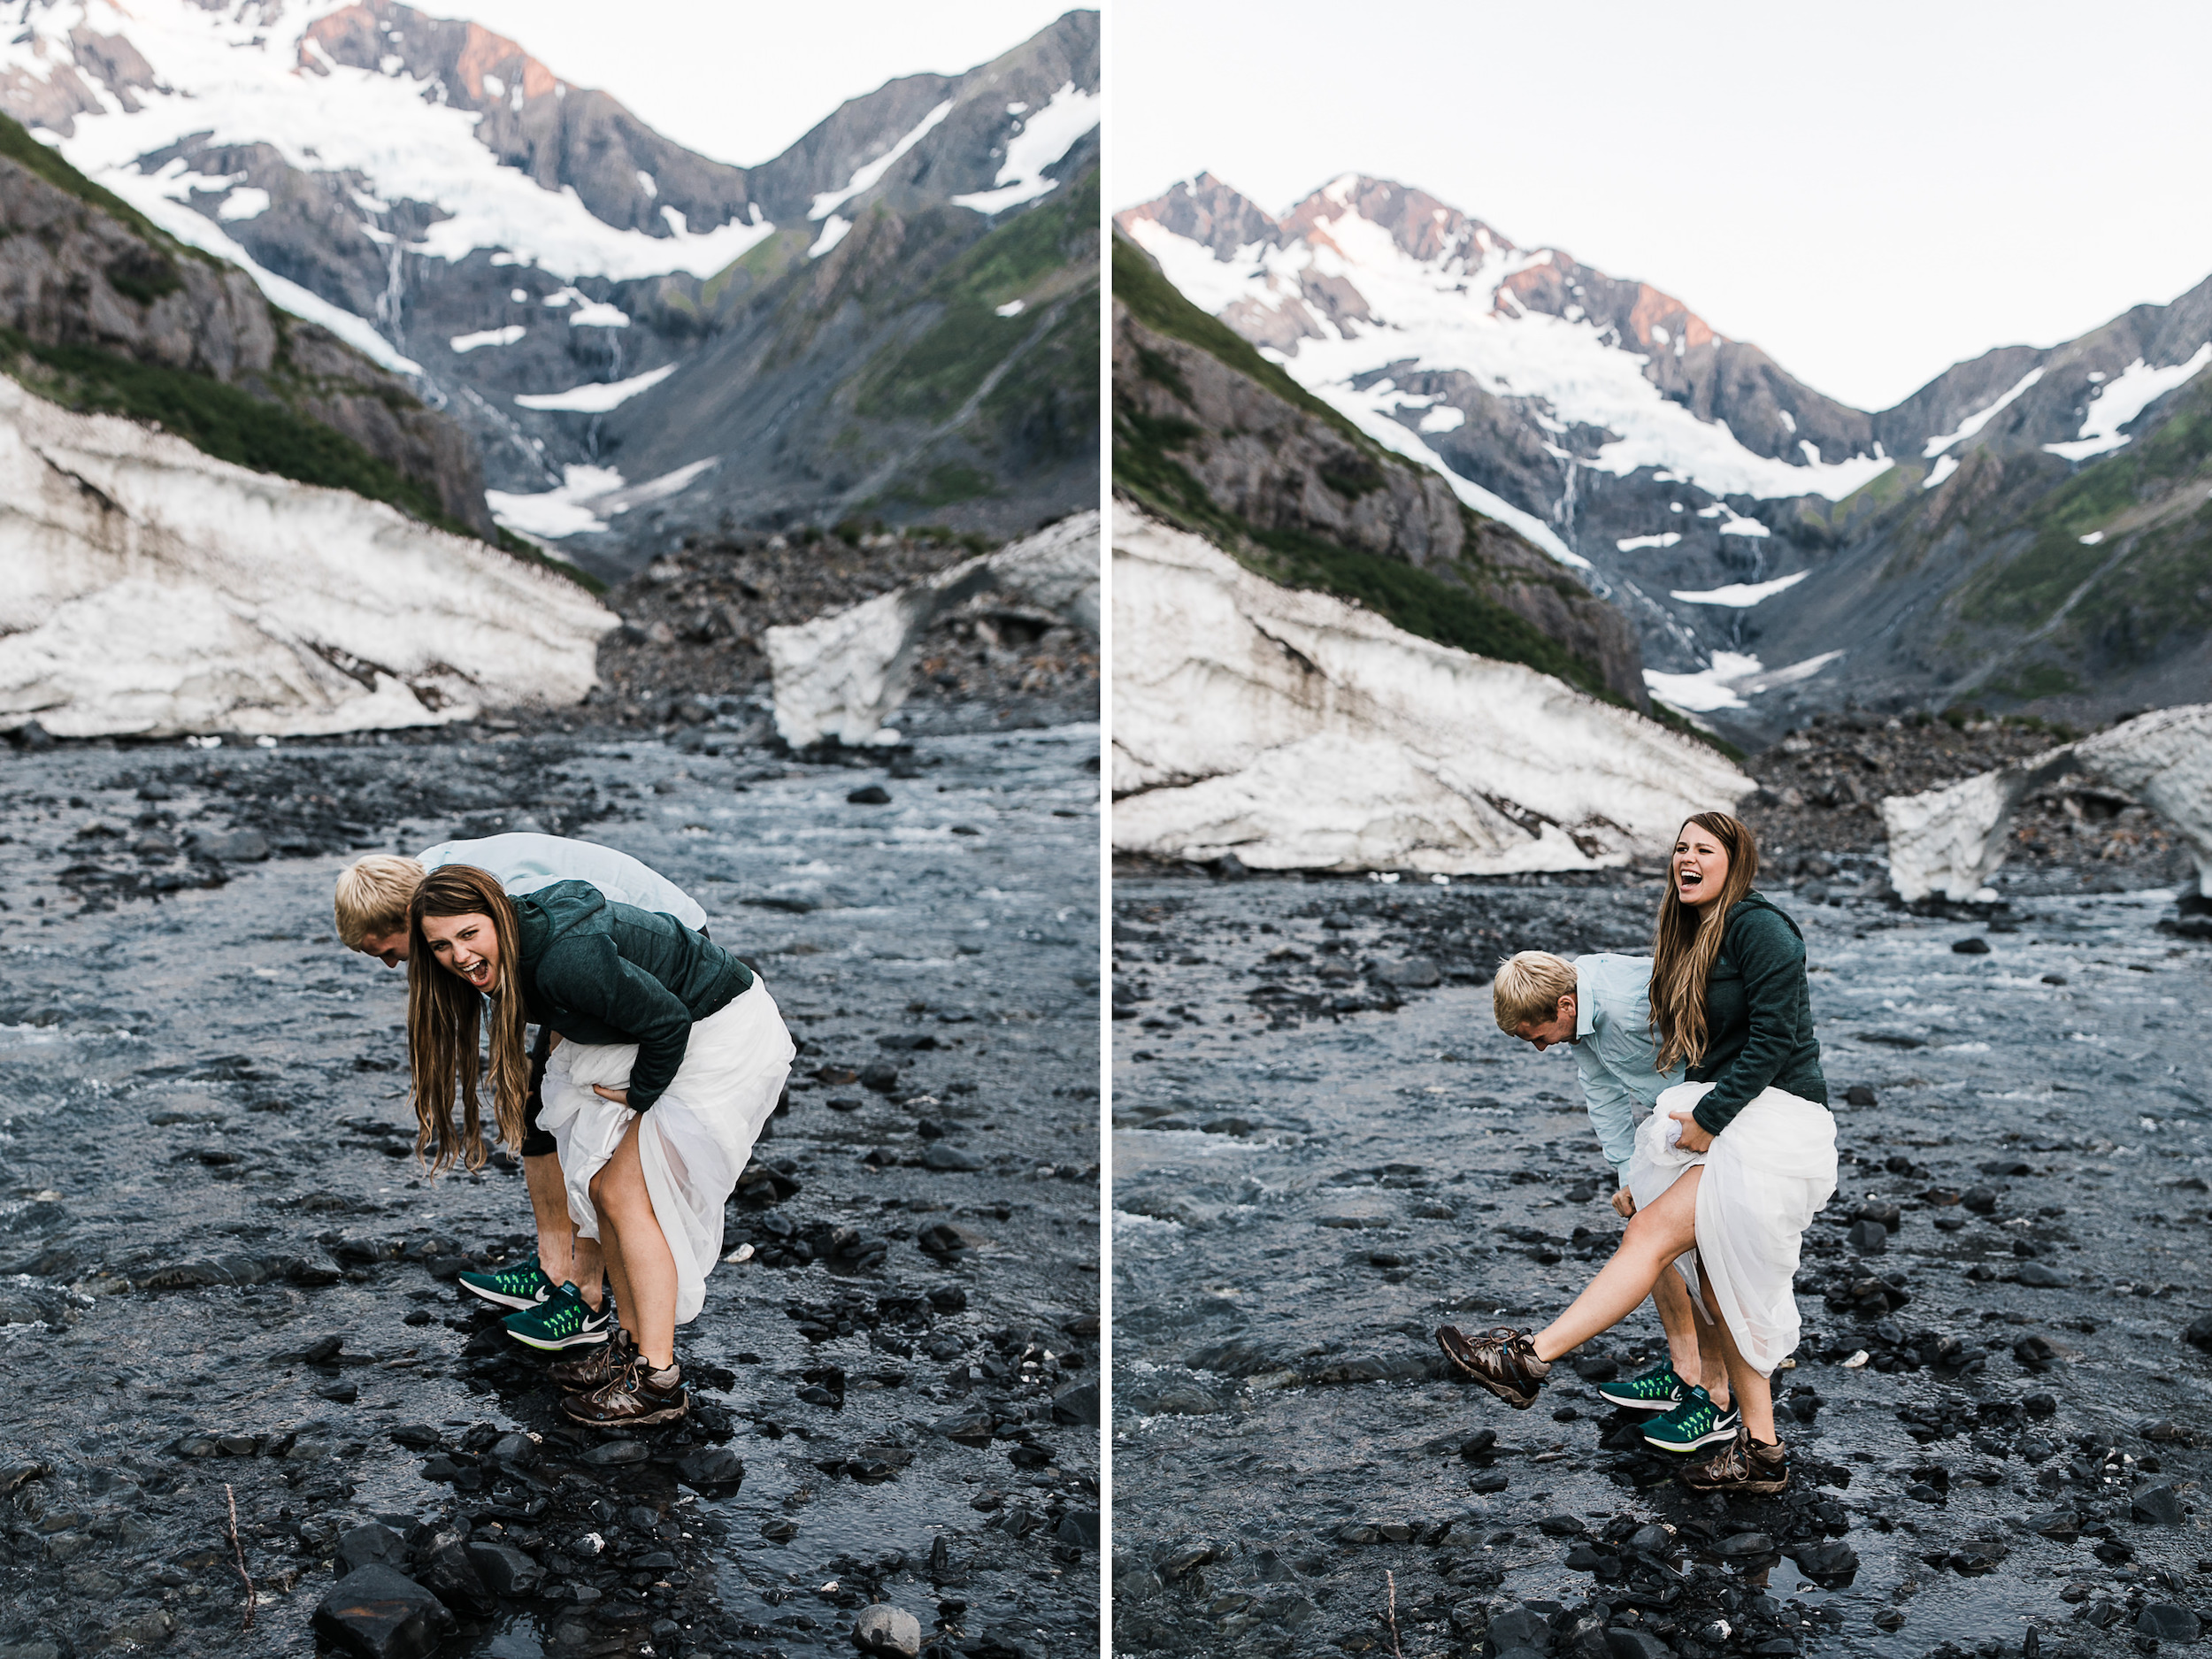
column 221, row 1273
column 1324, row 1148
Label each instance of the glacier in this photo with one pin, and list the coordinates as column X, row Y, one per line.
column 1950, row 841
column 842, row 675
column 1296, row 731
column 149, row 590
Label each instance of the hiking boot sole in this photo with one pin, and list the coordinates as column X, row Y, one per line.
column 666, row 1413
column 555, row 1344
column 1765, row 1488
column 1459, row 1353
column 1719, row 1434
column 518, row 1305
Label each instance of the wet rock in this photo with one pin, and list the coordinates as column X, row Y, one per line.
column 1980, row 1200
column 373, row 1545
column 1745, row 1547
column 1867, row 1238
column 2157, row 1505
column 969, row 1428
column 1561, row 1526
column 937, row 1156
column 870, row 795
column 2063, row 1524
column 2042, row 1276
column 947, row 1240
column 2199, row 1332
column 1827, row 1562
column 616, row 1454
column 418, row 1437
column 505, row 1571
column 1078, row 1529
column 2168, row 1621
column 1490, row 1480
column 885, row 1629
column 713, row 1470
column 1971, row 947
column 1859, row 1095
column 448, row 1574
column 880, row 1075
column 1626, row 1642
column 1077, row 1403
column 376, row 1613
column 1411, row 973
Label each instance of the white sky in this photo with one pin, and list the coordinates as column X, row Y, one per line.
column 743, row 82
column 1871, row 193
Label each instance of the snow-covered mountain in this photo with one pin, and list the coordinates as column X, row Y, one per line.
column 1744, row 520
column 546, row 266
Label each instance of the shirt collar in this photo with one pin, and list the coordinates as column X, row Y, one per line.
column 1586, row 1021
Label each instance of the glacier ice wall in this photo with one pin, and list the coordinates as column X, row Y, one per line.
column 148, row 589
column 843, row 674
column 1949, row 842
column 1297, row 731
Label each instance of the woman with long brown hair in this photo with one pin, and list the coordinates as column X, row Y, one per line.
column 670, row 1057
column 1735, row 1162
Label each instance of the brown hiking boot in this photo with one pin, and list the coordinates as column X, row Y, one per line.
column 1749, row 1466
column 629, row 1399
column 596, row 1369
column 1503, row 1361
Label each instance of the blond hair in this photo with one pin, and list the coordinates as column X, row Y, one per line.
column 1528, row 988
column 445, row 1013
column 372, row 898
column 1687, row 939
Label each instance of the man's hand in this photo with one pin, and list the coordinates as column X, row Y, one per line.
column 1624, row 1203
column 1694, row 1137
column 619, row 1096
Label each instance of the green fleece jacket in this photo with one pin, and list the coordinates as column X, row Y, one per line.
column 1758, row 1017
column 598, row 971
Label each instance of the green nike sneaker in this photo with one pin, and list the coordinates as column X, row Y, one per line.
column 562, row 1320
column 523, row 1285
column 1659, row 1390
column 1696, row 1422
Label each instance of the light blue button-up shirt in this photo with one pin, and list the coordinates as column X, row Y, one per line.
column 1613, row 1048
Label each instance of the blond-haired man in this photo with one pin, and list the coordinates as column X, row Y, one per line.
column 559, row 1296
column 1599, row 1005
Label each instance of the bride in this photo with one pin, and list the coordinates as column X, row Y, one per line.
column 1733, row 1165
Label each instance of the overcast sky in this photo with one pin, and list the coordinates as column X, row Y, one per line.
column 1871, row 192
column 742, row 83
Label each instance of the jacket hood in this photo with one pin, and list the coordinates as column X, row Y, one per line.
column 557, row 908
column 1756, row 900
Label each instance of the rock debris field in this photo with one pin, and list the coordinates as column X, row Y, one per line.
column 220, row 1273
column 1324, row 1148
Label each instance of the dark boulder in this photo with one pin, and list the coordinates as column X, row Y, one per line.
column 378, row 1613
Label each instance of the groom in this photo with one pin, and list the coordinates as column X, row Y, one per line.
column 558, row 1296
column 1598, row 1005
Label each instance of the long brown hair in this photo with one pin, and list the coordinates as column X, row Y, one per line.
column 1687, row 939
column 443, row 1012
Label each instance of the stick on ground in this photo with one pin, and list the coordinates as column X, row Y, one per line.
column 240, row 1550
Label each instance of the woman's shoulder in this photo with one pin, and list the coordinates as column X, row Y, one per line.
column 1756, row 920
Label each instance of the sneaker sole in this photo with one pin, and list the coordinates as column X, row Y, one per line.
column 555, row 1344
column 1504, row 1391
column 1715, row 1435
column 1618, row 1404
column 1752, row 1488
column 498, row 1299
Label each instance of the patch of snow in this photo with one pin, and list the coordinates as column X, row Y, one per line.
column 647, row 183
column 234, row 75
column 1299, row 732
column 154, row 590
column 868, row 177
column 1974, row 423
column 520, row 296
column 1711, row 687
column 1017, row 108
column 653, row 489
column 588, row 312
column 2092, row 538
column 2119, row 402
column 494, row 85
column 832, row 234
column 245, row 201
column 1013, row 308
column 1944, row 467
column 1443, row 419
column 1738, row 524
column 1044, row 138
column 552, row 514
column 1742, row 595
column 1632, row 543
column 506, row 336
column 596, row 397
column 843, row 674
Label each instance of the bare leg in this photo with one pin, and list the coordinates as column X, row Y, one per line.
column 637, row 1254
column 1755, row 1394
column 1655, row 1237
column 549, row 1205
column 1687, row 1343
column 1712, row 1357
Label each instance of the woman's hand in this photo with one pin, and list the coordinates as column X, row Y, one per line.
column 619, row 1096
column 1694, row 1137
